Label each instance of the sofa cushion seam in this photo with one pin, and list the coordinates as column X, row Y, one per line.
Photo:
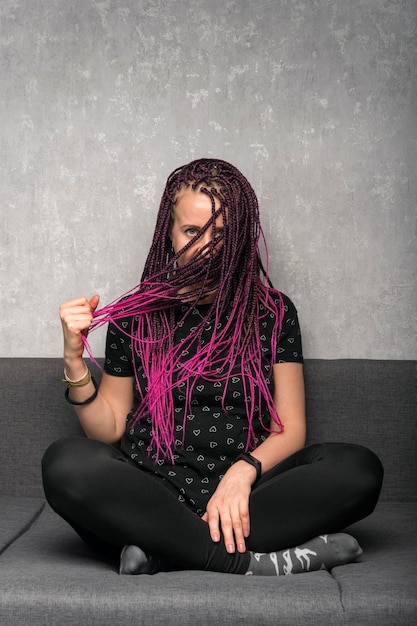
column 24, row 529
column 339, row 586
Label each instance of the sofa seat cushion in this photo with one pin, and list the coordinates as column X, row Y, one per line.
column 16, row 517
column 382, row 587
column 49, row 576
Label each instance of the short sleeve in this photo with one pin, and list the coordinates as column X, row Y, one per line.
column 118, row 359
column 289, row 348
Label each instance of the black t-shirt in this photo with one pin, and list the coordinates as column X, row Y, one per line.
column 214, row 432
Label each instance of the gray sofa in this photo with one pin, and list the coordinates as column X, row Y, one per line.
column 48, row 576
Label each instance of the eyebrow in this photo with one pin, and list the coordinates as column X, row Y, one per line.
column 201, row 227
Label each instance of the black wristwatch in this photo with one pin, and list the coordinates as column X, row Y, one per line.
column 252, row 461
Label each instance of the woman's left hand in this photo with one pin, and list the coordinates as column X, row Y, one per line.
column 228, row 508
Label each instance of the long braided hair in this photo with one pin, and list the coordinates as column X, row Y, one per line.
column 230, row 269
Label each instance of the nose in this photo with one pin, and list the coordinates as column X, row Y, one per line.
column 206, row 238
column 204, row 242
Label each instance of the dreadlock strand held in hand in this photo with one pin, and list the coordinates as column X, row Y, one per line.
column 227, row 272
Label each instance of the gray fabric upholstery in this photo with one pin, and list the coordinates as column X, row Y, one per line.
column 48, row 576
column 373, row 403
column 61, row 567
column 33, row 415
column 49, row 571
column 367, row 402
column 16, row 516
column 382, row 586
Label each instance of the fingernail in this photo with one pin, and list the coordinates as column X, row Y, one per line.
column 241, row 547
column 230, row 548
column 216, row 537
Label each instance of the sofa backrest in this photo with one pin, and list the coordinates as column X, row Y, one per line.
column 372, row 403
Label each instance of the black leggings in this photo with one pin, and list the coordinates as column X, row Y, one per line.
column 110, row 502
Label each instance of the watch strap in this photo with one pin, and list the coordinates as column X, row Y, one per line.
column 246, row 456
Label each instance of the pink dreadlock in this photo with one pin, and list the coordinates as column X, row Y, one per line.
column 233, row 270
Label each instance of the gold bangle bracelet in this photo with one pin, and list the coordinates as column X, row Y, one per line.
column 77, row 383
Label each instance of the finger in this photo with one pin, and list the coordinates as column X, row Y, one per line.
column 213, row 522
column 94, row 302
column 76, row 316
column 81, row 308
column 238, row 531
column 73, row 303
column 241, row 528
column 76, row 322
column 245, row 519
column 227, row 530
column 76, row 311
column 239, row 539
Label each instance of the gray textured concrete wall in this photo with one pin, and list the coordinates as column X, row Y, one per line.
column 314, row 100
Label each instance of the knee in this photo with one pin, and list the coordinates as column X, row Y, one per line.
column 370, row 475
column 62, row 471
column 363, row 475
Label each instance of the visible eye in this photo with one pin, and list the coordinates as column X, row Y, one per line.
column 192, row 232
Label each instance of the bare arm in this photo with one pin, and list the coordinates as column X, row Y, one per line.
column 229, row 506
column 103, row 419
column 289, row 400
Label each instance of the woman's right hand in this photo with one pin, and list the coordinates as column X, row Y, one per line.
column 104, row 418
column 76, row 317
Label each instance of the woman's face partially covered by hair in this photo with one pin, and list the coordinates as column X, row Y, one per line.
column 192, row 213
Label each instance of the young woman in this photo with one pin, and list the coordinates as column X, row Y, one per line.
column 194, row 456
